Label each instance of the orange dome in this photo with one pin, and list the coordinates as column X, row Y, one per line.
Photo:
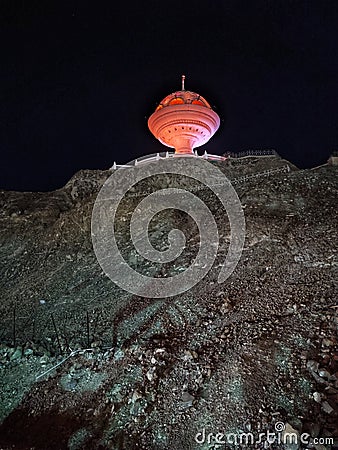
column 183, row 98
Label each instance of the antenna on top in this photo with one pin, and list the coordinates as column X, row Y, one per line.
column 183, row 78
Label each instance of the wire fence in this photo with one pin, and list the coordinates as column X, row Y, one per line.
column 246, row 153
column 58, row 331
column 265, row 173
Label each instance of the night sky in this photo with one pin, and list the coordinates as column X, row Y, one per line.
column 79, row 79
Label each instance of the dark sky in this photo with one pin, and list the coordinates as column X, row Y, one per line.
column 78, row 80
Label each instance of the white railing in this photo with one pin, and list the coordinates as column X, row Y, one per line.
column 153, row 158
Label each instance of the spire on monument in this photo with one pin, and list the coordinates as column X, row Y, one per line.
column 183, row 79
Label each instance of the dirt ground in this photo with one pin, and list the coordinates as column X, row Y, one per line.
column 86, row 365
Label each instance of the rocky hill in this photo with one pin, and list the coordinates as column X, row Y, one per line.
column 85, row 364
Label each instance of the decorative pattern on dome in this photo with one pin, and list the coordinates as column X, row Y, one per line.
column 183, row 98
column 183, row 120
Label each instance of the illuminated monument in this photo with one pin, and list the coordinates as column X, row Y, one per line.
column 183, row 120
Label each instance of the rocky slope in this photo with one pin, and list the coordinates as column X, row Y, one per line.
column 86, row 365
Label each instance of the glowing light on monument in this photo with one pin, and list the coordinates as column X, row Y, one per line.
column 183, row 120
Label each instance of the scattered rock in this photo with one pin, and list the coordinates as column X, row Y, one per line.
column 327, row 407
column 324, row 374
column 43, row 360
column 317, row 397
column 119, row 354
column 17, row 354
column 312, row 366
column 28, row 352
column 187, row 400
